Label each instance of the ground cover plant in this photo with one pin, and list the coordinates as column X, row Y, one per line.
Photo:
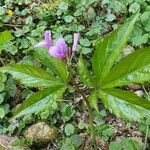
column 78, row 76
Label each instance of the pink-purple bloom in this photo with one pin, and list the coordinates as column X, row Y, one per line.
column 47, row 42
column 60, row 49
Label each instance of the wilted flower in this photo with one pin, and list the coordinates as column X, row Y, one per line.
column 60, row 49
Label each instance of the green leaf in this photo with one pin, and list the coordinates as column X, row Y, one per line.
column 108, row 49
column 56, row 66
column 85, row 42
column 29, row 20
column 63, row 6
column 110, row 17
column 76, row 140
column 69, row 129
column 93, row 100
column 135, row 68
column 126, row 144
column 10, row 48
column 40, row 98
column 145, row 21
column 125, row 104
column 134, row 7
column 31, row 76
column 68, row 18
column 2, row 113
column 2, row 77
column 2, row 86
column 140, row 39
column 1, row 98
column 5, row 37
column 84, row 74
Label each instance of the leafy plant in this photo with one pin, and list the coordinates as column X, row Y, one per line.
column 107, row 74
column 110, row 74
column 125, row 144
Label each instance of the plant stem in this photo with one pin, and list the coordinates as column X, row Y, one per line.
column 145, row 142
column 2, row 61
column 147, row 127
column 91, row 125
column 148, row 96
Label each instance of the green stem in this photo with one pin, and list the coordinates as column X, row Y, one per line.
column 148, row 96
column 147, row 127
column 145, row 142
column 2, row 61
column 91, row 125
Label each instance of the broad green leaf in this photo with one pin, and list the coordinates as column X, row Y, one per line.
column 135, row 68
column 4, row 37
column 37, row 101
column 31, row 76
column 93, row 100
column 56, row 66
column 125, row 104
column 84, row 74
column 108, row 49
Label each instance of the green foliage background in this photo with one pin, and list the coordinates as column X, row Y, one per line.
column 92, row 18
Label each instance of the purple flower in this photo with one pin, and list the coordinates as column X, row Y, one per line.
column 47, row 42
column 75, row 41
column 60, row 49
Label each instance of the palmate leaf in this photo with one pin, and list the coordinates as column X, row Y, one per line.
column 107, row 50
column 135, row 68
column 31, row 76
column 125, row 104
column 93, row 101
column 38, row 100
column 84, row 73
column 56, row 66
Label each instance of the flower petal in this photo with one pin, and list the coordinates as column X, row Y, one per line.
column 75, row 41
column 62, row 45
column 47, row 42
column 42, row 44
column 55, row 51
column 48, row 38
column 59, row 50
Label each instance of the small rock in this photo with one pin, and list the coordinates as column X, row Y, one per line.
column 128, row 50
column 139, row 93
column 134, row 87
column 5, row 143
column 40, row 133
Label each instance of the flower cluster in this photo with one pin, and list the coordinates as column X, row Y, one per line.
column 59, row 49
